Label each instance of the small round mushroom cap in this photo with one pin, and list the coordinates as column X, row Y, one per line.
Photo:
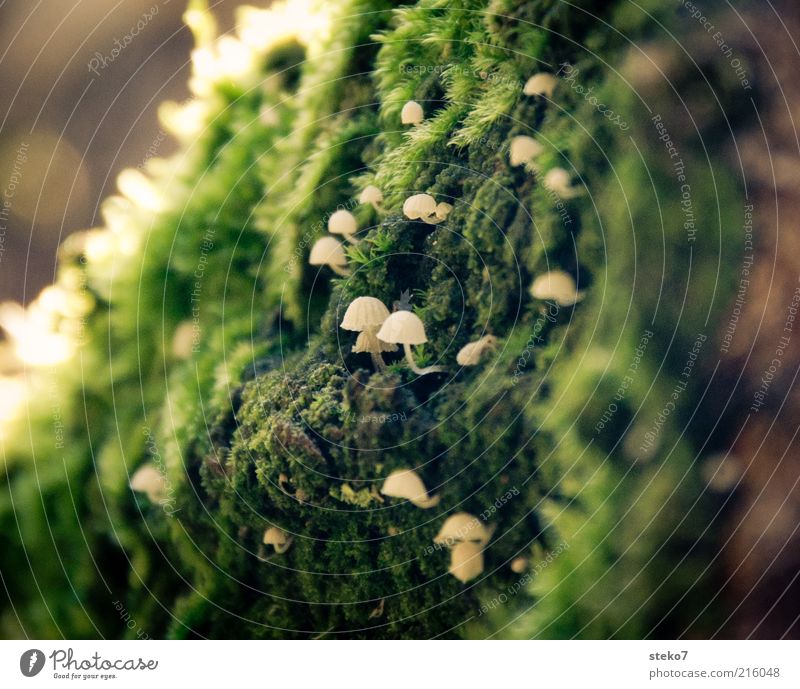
column 372, row 195
column 419, row 206
column 463, row 526
column 367, row 341
column 722, row 472
column 559, row 181
column 519, row 565
column 277, row 538
column 327, row 251
column 412, row 113
column 149, row 480
column 406, row 484
column 342, row 222
column 558, row 286
column 466, row 561
column 364, row 313
column 403, row 327
column 523, row 150
column 470, row 354
column 541, row 84
column 443, row 210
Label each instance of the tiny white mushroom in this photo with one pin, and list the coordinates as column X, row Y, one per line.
column 365, row 315
column 443, row 210
column 149, row 480
column 559, row 181
column 466, row 561
column 328, row 251
column 419, row 206
column 412, row 113
column 405, row 328
column 519, row 565
column 406, row 484
column 183, row 340
column 440, row 213
column 722, row 472
column 463, row 526
column 371, row 195
column 470, row 354
column 523, row 150
column 268, row 116
column 278, row 539
column 344, row 223
column 557, row 286
column 541, row 84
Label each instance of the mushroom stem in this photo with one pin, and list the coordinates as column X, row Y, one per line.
column 412, row 364
column 350, row 238
column 339, row 270
column 377, row 361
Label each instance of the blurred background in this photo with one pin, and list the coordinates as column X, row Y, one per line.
column 66, row 130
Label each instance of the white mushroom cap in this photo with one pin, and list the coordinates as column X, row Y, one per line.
column 277, row 538
column 519, row 565
column 470, row 354
column 443, row 210
column 147, row 479
column 463, row 526
column 722, row 472
column 419, row 206
column 342, row 222
column 403, row 327
column 406, row 483
column 558, row 286
column 367, row 341
column 523, row 150
column 327, row 251
column 439, row 214
column 412, row 113
column 541, row 84
column 559, row 181
column 183, row 340
column 364, row 313
column 372, row 195
column 466, row 561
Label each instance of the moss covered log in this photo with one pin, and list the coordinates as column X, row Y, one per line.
column 204, row 343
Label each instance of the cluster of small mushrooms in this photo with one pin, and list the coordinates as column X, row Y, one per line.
column 329, row 251
column 380, row 331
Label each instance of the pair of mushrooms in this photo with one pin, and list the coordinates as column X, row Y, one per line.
column 328, row 251
column 466, row 536
column 541, row 84
column 524, row 150
column 381, row 331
